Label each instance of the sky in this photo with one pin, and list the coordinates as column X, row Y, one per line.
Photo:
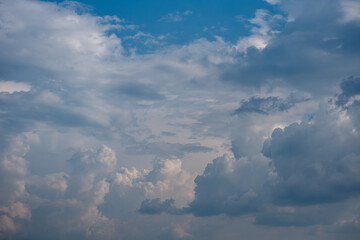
column 180, row 119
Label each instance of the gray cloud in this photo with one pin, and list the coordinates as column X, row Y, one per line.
column 315, row 163
column 312, row 175
column 155, row 206
column 298, row 217
column 164, row 149
column 221, row 188
column 306, row 53
column 264, row 105
column 139, row 91
column 349, row 88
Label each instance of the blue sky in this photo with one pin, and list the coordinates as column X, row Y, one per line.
column 180, row 22
column 185, row 20
column 180, row 119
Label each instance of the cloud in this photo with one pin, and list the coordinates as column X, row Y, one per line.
column 166, row 179
column 7, row 225
column 139, row 91
column 92, row 130
column 155, row 206
column 14, row 169
column 273, row 1
column 310, row 175
column 299, row 53
column 14, row 173
column 263, row 27
column 351, row 11
column 11, row 87
column 102, row 159
column 315, row 162
column 17, row 210
column 50, row 186
column 222, row 187
column 175, row 17
column 298, row 217
column 349, row 88
column 264, row 105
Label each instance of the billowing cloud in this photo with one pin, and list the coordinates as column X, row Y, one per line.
column 310, row 175
column 301, row 53
column 315, row 163
column 229, row 186
column 14, row 173
column 101, row 139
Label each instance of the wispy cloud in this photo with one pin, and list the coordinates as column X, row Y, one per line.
column 175, row 17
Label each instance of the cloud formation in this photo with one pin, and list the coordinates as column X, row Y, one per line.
column 309, row 176
column 264, row 105
column 112, row 132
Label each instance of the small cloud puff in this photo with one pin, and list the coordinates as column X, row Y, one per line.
column 175, row 17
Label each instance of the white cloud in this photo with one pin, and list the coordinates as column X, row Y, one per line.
column 262, row 31
column 351, row 10
column 11, row 87
column 6, row 225
column 273, row 1
column 17, row 210
column 14, row 174
column 53, row 181
column 171, row 17
column 166, row 179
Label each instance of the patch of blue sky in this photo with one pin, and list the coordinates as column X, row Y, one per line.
column 177, row 22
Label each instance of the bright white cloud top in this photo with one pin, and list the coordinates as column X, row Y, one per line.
column 111, row 131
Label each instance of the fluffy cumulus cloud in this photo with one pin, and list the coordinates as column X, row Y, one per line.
column 76, row 204
column 257, row 136
column 309, row 175
column 307, row 51
column 14, row 172
column 230, row 186
column 316, row 162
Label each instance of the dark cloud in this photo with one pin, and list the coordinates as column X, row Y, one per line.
column 156, row 206
column 306, row 53
column 315, row 163
column 220, row 189
column 349, row 88
column 264, row 105
column 139, row 91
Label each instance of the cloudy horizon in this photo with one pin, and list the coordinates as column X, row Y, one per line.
column 180, row 119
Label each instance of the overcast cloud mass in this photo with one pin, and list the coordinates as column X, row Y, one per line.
column 180, row 119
